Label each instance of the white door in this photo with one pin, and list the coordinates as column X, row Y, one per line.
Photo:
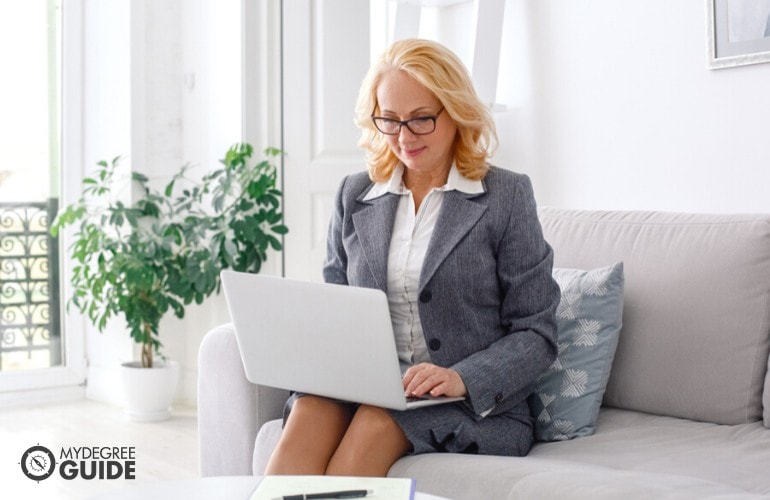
column 325, row 57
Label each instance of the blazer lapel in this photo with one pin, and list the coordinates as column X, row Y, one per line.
column 459, row 213
column 374, row 225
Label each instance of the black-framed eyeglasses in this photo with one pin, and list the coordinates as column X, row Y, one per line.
column 421, row 125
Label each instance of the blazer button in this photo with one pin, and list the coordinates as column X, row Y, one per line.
column 499, row 398
column 434, row 344
column 425, row 296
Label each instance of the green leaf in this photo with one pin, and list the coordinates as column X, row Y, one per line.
column 274, row 242
column 219, row 202
column 274, row 217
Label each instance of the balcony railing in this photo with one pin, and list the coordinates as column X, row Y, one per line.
column 30, row 335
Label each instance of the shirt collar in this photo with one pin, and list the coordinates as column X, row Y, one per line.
column 455, row 182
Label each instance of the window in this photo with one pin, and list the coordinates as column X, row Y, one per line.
column 41, row 103
column 30, row 159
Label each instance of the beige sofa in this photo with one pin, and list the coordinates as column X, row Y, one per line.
column 686, row 412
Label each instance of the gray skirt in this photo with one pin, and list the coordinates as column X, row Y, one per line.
column 453, row 428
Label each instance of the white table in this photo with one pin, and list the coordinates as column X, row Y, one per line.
column 208, row 488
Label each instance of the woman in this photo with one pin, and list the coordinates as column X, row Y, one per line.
column 457, row 247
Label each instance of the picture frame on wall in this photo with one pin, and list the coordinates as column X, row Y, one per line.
column 738, row 32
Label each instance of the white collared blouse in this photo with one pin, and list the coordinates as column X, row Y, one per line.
column 408, row 245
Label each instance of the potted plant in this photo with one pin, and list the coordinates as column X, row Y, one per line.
column 165, row 250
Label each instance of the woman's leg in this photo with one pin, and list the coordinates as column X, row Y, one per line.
column 312, row 433
column 372, row 443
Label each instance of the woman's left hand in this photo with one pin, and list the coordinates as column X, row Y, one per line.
column 437, row 381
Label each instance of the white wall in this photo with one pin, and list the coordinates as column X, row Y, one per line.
column 211, row 109
column 106, row 124
column 609, row 104
column 611, row 107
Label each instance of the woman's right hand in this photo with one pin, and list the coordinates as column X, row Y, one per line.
column 427, row 378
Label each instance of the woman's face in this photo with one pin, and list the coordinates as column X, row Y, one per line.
column 400, row 97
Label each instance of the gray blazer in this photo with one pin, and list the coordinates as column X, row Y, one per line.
column 486, row 298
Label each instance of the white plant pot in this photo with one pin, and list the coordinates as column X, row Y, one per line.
column 149, row 391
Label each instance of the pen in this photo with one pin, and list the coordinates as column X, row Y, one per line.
column 329, row 494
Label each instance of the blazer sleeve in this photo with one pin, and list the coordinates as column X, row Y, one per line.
column 503, row 373
column 336, row 263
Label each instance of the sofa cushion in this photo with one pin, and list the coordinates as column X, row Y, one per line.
column 568, row 395
column 694, row 342
column 632, row 455
column 734, row 455
column 267, row 440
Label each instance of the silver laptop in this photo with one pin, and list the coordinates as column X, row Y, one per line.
column 329, row 340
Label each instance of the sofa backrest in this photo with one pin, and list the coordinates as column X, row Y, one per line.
column 696, row 320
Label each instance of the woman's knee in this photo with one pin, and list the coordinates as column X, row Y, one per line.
column 372, row 443
column 310, row 437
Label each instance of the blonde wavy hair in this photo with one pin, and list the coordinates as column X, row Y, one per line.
column 442, row 73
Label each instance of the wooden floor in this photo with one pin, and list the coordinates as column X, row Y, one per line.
column 164, row 450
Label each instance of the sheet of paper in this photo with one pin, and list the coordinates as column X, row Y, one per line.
column 382, row 488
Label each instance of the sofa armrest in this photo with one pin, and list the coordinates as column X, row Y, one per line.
column 231, row 409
